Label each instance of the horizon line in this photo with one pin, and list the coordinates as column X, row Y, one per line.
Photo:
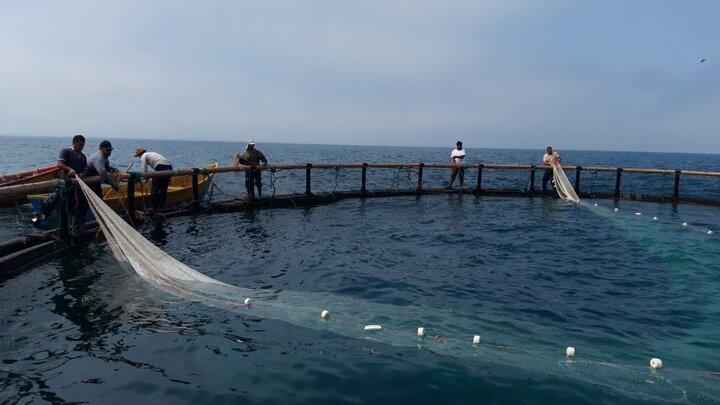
column 368, row 145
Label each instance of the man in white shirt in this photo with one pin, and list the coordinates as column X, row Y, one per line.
column 457, row 157
column 550, row 158
column 160, row 185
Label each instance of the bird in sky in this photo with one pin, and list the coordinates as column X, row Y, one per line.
column 702, row 60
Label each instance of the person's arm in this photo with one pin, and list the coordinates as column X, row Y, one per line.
column 105, row 174
column 144, row 161
column 67, row 169
column 263, row 159
column 61, row 163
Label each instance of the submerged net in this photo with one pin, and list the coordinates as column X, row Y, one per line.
column 448, row 332
column 564, row 188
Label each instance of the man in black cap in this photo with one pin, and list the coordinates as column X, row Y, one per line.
column 99, row 165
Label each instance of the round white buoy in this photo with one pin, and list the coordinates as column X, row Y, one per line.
column 325, row 314
column 248, row 301
column 373, row 327
column 684, row 223
column 638, row 213
column 421, row 332
column 570, row 351
column 710, row 232
column 595, row 205
column 654, row 218
column 655, row 363
column 476, row 339
column 617, row 209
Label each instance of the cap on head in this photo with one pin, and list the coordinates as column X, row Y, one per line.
column 105, row 144
column 251, row 142
column 139, row 151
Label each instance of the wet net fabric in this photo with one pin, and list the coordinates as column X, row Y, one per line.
column 526, row 346
column 130, row 247
column 564, row 188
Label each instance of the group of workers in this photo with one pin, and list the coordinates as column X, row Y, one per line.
column 73, row 163
column 457, row 157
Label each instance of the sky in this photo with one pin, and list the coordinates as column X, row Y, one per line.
column 591, row 75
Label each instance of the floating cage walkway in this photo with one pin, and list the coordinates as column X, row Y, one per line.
column 21, row 252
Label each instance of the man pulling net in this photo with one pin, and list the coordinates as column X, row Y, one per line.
column 560, row 182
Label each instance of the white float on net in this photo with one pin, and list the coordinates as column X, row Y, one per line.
column 655, row 218
column 617, row 209
column 373, row 327
column 684, row 224
column 710, row 232
column 325, row 314
column 476, row 339
column 655, row 363
column 570, row 351
column 421, row 332
column 248, row 301
column 638, row 213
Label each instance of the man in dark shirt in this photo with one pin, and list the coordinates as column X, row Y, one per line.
column 252, row 157
column 72, row 163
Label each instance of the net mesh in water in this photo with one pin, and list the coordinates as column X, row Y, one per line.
column 564, row 188
column 449, row 333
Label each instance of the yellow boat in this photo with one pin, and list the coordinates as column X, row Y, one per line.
column 179, row 191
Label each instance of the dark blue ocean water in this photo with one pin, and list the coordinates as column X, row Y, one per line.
column 531, row 275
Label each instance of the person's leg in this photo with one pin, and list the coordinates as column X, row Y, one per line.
column 164, row 188
column 249, row 186
column 50, row 204
column 453, row 173
column 97, row 189
column 258, row 182
column 547, row 176
column 155, row 193
column 79, row 214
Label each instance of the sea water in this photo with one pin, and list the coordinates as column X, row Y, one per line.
column 533, row 275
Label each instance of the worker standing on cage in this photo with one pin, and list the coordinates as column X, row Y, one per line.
column 252, row 157
column 158, row 162
column 457, row 157
column 549, row 159
column 72, row 163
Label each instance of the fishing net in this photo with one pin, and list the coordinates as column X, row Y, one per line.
column 564, row 188
column 448, row 332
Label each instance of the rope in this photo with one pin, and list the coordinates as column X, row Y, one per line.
column 337, row 173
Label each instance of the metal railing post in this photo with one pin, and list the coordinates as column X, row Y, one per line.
column 420, row 177
column 478, row 187
column 308, row 179
column 131, row 200
column 676, row 187
column 195, row 189
column 617, row 181
column 363, row 189
column 577, row 179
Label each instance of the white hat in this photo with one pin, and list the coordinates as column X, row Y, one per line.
column 251, row 142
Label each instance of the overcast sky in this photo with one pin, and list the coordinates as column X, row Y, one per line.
column 608, row 75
